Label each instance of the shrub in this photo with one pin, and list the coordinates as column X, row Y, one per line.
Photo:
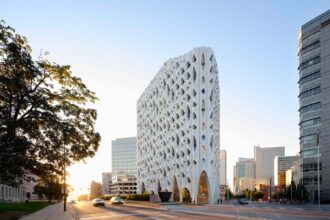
column 185, row 196
column 106, row 197
column 123, row 196
column 139, row 197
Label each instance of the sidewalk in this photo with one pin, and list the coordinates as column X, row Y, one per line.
column 53, row 212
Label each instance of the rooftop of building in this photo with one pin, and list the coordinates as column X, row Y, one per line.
column 287, row 157
column 317, row 18
column 125, row 139
column 169, row 61
column 243, row 159
column 268, row 148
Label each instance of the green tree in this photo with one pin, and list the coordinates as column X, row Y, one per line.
column 258, row 195
column 291, row 191
column 50, row 187
column 252, row 194
column 43, row 108
column 229, row 194
column 185, row 196
column 302, row 193
column 247, row 193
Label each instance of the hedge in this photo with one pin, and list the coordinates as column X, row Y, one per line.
column 106, row 197
column 139, row 197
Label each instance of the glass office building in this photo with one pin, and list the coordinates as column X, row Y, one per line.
column 314, row 105
column 124, row 166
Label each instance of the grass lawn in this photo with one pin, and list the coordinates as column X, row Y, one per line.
column 13, row 211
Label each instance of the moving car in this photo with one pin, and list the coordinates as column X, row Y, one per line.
column 116, row 201
column 98, row 201
column 243, row 201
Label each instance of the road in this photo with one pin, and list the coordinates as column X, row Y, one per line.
column 85, row 211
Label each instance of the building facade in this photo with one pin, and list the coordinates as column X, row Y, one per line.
column 124, row 167
column 281, row 165
column 223, row 167
column 95, row 190
column 223, row 174
column 124, row 184
column 244, row 175
column 178, row 128
column 106, row 183
column 314, row 101
column 234, row 180
column 294, row 173
column 29, row 188
column 264, row 159
column 12, row 194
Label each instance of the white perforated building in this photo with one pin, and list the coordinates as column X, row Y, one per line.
column 178, row 127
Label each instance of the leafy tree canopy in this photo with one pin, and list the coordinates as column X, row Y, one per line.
column 43, row 108
column 50, row 187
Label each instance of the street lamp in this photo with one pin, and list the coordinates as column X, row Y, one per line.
column 291, row 187
column 227, row 185
column 318, row 166
column 64, row 186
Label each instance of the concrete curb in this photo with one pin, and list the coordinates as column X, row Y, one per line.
column 144, row 204
column 216, row 215
column 74, row 212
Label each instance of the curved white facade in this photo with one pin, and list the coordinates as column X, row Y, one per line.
column 178, row 127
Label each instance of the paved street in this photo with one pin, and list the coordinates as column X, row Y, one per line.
column 85, row 211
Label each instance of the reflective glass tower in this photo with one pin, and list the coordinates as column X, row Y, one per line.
column 124, row 166
column 314, row 104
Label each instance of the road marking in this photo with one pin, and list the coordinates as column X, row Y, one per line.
column 111, row 215
column 167, row 215
column 216, row 214
column 106, row 216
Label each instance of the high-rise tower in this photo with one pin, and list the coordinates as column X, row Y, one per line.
column 178, row 129
column 314, row 104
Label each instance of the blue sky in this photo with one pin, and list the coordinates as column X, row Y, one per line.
column 118, row 46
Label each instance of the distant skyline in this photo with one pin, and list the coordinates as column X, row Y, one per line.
column 117, row 47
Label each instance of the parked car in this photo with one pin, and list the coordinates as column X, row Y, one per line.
column 243, row 201
column 116, row 201
column 98, row 201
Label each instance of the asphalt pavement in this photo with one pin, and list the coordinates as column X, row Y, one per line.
column 86, row 211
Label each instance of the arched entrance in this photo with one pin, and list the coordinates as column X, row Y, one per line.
column 143, row 189
column 159, row 188
column 176, row 192
column 185, row 194
column 203, row 188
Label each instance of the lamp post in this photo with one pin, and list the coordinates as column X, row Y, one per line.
column 64, row 186
column 270, row 189
column 318, row 167
column 291, row 188
column 227, row 186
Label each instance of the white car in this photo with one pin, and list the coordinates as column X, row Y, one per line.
column 98, row 201
column 116, row 201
